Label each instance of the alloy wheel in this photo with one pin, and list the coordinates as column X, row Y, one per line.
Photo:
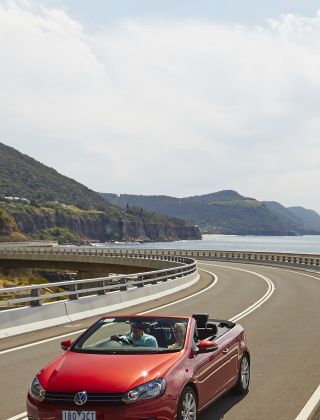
column 189, row 407
column 245, row 372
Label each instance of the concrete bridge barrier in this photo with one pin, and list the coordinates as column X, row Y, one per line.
column 169, row 270
column 169, row 275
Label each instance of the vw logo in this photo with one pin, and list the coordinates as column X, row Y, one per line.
column 80, row 398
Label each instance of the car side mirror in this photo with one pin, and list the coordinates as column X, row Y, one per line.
column 66, row 344
column 207, row 346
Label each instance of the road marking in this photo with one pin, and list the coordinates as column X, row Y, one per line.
column 310, row 408
column 185, row 298
column 296, row 272
column 141, row 313
column 259, row 302
column 21, row 416
column 41, row 342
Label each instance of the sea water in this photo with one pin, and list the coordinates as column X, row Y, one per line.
column 296, row 244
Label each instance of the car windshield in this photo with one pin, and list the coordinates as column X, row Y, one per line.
column 133, row 335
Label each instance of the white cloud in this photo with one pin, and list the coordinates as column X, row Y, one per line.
column 175, row 107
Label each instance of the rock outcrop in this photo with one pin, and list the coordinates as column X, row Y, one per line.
column 74, row 225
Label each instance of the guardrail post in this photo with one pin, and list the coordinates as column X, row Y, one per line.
column 73, row 288
column 35, row 293
column 154, row 277
column 165, row 274
column 140, row 279
column 102, row 291
column 123, row 281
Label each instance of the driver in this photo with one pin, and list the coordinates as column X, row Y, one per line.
column 137, row 337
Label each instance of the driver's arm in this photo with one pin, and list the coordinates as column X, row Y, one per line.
column 123, row 339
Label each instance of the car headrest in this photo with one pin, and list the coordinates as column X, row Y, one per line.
column 201, row 319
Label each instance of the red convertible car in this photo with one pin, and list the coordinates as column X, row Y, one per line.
column 142, row 368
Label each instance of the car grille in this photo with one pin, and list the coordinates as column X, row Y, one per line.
column 92, row 398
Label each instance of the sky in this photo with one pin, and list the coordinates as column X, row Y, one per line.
column 167, row 97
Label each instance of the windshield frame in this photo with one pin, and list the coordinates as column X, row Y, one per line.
column 154, row 323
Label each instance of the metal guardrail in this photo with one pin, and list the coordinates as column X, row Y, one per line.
column 253, row 256
column 291, row 258
column 122, row 282
column 102, row 285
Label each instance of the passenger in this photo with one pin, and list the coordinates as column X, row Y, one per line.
column 137, row 337
column 179, row 332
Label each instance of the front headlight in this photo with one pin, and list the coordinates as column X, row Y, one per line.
column 36, row 390
column 145, row 391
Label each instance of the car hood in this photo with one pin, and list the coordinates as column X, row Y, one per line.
column 105, row 373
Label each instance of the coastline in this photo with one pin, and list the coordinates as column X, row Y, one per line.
column 308, row 244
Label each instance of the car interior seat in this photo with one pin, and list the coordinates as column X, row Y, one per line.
column 161, row 335
column 205, row 329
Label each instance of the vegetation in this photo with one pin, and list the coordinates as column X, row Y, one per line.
column 60, row 235
column 36, row 202
column 22, row 176
column 27, row 280
column 24, row 280
column 227, row 212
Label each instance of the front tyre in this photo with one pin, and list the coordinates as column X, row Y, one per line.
column 242, row 385
column 187, row 408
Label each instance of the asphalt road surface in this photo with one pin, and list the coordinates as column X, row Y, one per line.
column 279, row 309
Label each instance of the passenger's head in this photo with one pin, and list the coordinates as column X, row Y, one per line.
column 179, row 331
column 136, row 329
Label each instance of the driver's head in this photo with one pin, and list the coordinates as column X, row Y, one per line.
column 136, row 329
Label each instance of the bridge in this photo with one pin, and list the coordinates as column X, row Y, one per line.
column 274, row 296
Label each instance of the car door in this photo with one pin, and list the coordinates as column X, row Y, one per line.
column 214, row 371
column 229, row 353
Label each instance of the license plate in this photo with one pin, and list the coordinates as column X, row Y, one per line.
column 78, row 415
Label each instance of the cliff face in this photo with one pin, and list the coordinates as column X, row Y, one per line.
column 74, row 225
column 9, row 230
column 157, row 231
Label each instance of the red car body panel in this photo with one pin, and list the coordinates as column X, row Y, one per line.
column 126, row 371
column 210, row 374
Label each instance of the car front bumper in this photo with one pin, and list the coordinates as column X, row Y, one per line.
column 162, row 408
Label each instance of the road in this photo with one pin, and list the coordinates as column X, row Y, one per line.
column 279, row 309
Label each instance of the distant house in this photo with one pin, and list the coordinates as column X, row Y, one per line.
column 16, row 199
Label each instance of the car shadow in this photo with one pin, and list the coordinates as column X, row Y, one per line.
column 217, row 410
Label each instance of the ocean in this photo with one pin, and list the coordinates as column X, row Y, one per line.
column 296, row 244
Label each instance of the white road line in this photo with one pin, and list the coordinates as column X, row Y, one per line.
column 296, row 272
column 186, row 298
column 259, row 302
column 41, row 342
column 311, row 407
column 141, row 313
column 21, row 416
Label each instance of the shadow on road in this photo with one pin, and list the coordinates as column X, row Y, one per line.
column 217, row 410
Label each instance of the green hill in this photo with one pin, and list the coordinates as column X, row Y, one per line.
column 22, row 176
column 36, row 202
column 225, row 212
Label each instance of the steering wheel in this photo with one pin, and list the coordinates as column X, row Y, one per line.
column 121, row 340
column 125, row 341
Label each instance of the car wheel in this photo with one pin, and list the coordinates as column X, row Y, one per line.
column 187, row 408
column 244, row 376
